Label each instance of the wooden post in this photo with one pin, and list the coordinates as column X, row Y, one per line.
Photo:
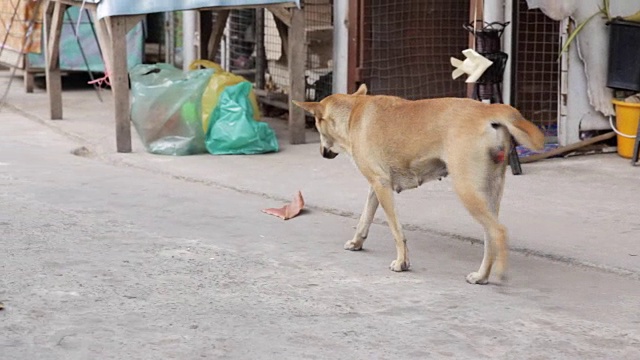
column 353, row 53
column 53, row 27
column 28, row 81
column 27, row 75
column 216, row 34
column 205, row 26
column 297, row 62
column 261, row 58
column 120, row 81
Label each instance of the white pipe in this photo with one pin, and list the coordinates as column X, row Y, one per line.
column 507, row 40
column 225, row 52
column 493, row 10
column 563, row 94
column 340, row 46
column 500, row 10
column 189, row 36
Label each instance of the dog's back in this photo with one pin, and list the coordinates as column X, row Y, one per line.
column 403, row 131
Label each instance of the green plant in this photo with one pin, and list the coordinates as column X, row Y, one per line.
column 602, row 10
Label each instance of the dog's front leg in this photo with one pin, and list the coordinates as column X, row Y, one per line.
column 362, row 231
column 385, row 196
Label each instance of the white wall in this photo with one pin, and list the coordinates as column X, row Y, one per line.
column 500, row 10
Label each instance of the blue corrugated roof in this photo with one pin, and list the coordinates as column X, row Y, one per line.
column 129, row 7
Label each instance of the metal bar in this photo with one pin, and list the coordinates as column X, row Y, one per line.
column 95, row 35
column 189, row 37
column 84, row 57
column 169, row 41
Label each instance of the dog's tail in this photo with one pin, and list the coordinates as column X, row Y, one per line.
column 524, row 131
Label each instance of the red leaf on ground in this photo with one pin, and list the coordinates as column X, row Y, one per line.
column 288, row 211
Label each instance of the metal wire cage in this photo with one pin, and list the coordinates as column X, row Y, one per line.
column 406, row 46
column 536, row 69
column 254, row 46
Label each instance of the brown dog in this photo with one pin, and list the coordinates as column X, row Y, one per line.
column 399, row 144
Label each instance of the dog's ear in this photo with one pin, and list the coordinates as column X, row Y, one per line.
column 362, row 90
column 314, row 108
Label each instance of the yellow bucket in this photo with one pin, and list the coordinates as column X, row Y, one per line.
column 627, row 116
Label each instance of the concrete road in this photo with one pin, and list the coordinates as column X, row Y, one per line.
column 100, row 261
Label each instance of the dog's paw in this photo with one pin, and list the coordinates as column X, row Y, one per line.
column 475, row 278
column 353, row 245
column 398, row 266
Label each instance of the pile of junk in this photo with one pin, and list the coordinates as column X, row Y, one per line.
column 203, row 110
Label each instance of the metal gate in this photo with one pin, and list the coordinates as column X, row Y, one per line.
column 536, row 69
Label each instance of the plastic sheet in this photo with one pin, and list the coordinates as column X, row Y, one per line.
column 166, row 108
column 232, row 128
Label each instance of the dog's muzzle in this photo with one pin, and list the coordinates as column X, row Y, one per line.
column 327, row 153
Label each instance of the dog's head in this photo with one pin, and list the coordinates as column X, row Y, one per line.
column 332, row 120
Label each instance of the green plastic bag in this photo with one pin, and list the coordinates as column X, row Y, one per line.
column 218, row 82
column 166, row 108
column 233, row 130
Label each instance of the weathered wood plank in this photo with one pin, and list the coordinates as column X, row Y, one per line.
column 216, row 34
column 281, row 13
column 53, row 15
column 120, row 82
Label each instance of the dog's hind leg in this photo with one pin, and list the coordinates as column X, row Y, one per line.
column 483, row 204
column 362, row 231
column 494, row 190
column 385, row 196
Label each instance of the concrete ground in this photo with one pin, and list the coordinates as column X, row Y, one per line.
column 140, row 256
